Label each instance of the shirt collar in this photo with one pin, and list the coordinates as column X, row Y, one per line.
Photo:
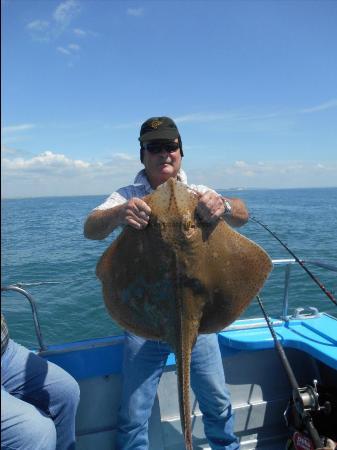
column 141, row 178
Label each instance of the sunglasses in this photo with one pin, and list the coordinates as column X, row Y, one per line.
column 157, row 147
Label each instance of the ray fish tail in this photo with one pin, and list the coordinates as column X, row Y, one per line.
column 183, row 361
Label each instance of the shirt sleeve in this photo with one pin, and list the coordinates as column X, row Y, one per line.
column 113, row 200
column 121, row 196
column 200, row 188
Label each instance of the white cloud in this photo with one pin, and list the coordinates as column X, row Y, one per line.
column 11, row 152
column 38, row 25
column 51, row 30
column 262, row 174
column 240, row 115
column 124, row 156
column 79, row 32
column 7, row 150
column 201, row 117
column 74, row 47
column 69, row 50
column 45, row 161
column 245, row 119
column 54, row 29
column 65, row 11
column 242, row 120
column 321, row 107
column 63, row 50
column 279, row 174
column 136, row 12
column 240, row 164
column 17, row 128
column 253, row 120
column 51, row 173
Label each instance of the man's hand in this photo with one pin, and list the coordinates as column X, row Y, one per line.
column 135, row 213
column 100, row 223
column 210, row 207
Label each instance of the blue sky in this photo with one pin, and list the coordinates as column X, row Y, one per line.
column 251, row 84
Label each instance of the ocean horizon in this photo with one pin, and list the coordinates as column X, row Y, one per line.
column 229, row 189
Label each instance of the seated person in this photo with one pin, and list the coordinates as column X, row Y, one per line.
column 38, row 400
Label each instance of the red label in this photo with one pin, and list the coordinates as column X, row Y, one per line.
column 302, row 442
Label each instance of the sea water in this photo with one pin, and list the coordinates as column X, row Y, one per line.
column 44, row 249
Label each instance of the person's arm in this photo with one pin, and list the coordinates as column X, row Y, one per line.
column 212, row 206
column 239, row 213
column 100, row 223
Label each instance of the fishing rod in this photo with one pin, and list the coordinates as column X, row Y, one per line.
column 312, row 276
column 305, row 399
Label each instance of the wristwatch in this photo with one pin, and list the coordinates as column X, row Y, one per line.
column 228, row 207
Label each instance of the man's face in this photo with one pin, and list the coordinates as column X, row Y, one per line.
column 162, row 160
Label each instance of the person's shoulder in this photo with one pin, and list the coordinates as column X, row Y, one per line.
column 113, row 200
column 132, row 190
column 200, row 188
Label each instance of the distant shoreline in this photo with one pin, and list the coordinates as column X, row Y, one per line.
column 229, row 189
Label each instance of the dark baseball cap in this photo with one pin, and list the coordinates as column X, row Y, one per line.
column 158, row 128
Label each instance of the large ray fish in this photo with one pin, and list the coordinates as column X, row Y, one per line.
column 179, row 277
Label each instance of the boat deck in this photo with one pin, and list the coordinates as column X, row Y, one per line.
column 259, row 386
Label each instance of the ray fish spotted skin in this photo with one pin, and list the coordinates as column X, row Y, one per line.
column 180, row 277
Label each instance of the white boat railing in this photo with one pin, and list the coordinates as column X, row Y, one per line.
column 287, row 263
column 32, row 303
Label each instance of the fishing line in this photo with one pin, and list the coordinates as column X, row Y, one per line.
column 312, row 276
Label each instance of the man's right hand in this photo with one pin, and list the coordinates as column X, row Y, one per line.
column 135, row 212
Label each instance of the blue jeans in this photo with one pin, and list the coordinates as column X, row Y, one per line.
column 144, row 362
column 39, row 402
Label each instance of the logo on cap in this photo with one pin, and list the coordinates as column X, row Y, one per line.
column 155, row 124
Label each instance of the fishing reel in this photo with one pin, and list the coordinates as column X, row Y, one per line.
column 314, row 409
column 310, row 397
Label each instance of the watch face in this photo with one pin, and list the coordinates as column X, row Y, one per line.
column 228, row 208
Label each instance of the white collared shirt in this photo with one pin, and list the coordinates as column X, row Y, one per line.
column 141, row 187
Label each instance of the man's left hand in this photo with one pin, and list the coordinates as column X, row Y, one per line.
column 210, row 207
